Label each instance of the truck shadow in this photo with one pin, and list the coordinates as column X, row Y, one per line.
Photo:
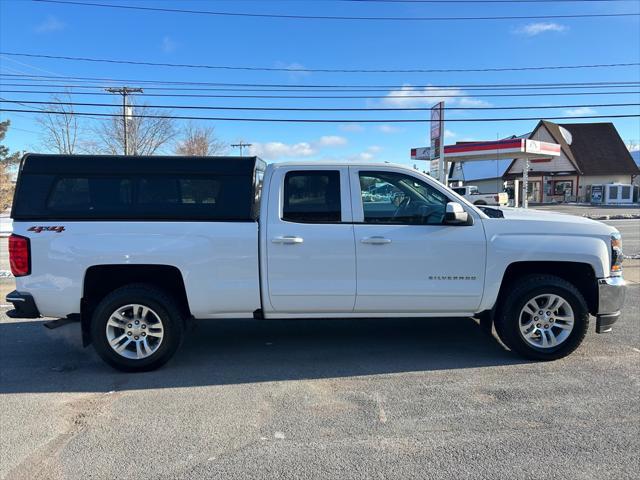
column 220, row 352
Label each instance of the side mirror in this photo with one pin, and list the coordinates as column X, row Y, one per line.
column 455, row 214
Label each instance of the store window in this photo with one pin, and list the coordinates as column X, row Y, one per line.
column 563, row 187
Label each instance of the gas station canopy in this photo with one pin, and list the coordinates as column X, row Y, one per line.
column 476, row 151
column 512, row 148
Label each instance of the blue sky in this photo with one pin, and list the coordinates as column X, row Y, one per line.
column 47, row 28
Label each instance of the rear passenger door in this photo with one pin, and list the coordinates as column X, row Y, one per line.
column 311, row 265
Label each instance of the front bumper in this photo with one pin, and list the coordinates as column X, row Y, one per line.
column 611, row 295
column 23, row 305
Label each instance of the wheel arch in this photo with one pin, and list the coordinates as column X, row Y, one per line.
column 100, row 280
column 581, row 275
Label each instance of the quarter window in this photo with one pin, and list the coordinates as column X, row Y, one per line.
column 395, row 198
column 312, row 196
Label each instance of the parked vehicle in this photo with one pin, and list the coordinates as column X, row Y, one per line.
column 134, row 248
column 471, row 193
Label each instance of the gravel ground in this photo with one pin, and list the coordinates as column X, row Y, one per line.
column 322, row 399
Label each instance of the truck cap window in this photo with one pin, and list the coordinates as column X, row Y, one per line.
column 227, row 197
column 396, row 198
column 312, row 196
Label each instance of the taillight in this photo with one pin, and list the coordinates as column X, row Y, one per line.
column 19, row 255
column 496, row 198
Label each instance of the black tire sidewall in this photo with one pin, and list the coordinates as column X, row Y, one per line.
column 509, row 329
column 160, row 304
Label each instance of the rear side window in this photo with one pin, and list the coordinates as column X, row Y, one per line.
column 226, row 197
column 90, row 195
column 312, row 196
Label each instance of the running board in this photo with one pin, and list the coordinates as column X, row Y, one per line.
column 53, row 324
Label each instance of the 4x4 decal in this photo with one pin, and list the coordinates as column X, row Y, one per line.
column 56, row 229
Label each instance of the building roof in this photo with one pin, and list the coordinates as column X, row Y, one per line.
column 594, row 148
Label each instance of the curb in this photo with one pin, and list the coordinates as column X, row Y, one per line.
column 613, row 217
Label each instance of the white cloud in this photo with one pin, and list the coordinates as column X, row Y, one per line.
column 331, row 141
column 365, row 156
column 449, row 134
column 295, row 70
column 50, row 24
column 533, row 29
column 410, row 97
column 352, row 127
column 278, row 150
column 472, row 102
column 389, row 129
column 168, row 45
column 576, row 112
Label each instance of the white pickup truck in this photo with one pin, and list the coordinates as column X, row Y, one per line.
column 471, row 193
column 133, row 248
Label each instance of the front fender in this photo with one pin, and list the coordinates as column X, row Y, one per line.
column 505, row 249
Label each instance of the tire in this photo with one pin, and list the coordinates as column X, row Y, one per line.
column 532, row 335
column 143, row 323
column 480, row 202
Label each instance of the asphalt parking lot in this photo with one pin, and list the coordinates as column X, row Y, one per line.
column 391, row 398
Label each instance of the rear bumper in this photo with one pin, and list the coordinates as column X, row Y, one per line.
column 23, row 305
column 611, row 295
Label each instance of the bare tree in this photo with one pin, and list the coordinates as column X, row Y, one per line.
column 8, row 166
column 148, row 130
column 200, row 141
column 60, row 130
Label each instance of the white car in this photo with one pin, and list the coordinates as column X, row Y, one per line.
column 471, row 193
column 133, row 248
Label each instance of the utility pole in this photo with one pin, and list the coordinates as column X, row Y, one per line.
column 241, row 145
column 124, row 91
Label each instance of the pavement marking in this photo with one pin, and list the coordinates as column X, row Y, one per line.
column 635, row 349
column 279, row 435
column 382, row 415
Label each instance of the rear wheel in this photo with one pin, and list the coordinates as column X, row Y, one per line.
column 480, row 202
column 543, row 317
column 137, row 328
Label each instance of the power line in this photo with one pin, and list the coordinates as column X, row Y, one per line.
column 289, row 85
column 328, row 90
column 338, row 17
column 308, row 120
column 479, row 1
column 321, row 70
column 334, row 97
column 321, row 109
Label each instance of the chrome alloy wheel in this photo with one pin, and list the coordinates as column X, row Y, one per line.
column 134, row 331
column 546, row 321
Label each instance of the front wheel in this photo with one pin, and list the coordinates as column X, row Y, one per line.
column 543, row 317
column 137, row 328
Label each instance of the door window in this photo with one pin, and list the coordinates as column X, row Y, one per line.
column 312, row 196
column 396, row 198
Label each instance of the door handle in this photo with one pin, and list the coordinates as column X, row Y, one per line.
column 376, row 240
column 288, row 240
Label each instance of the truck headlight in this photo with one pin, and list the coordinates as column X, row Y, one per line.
column 616, row 254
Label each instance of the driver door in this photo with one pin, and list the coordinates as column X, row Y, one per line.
column 407, row 259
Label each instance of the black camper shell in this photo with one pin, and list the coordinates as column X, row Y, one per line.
column 115, row 187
